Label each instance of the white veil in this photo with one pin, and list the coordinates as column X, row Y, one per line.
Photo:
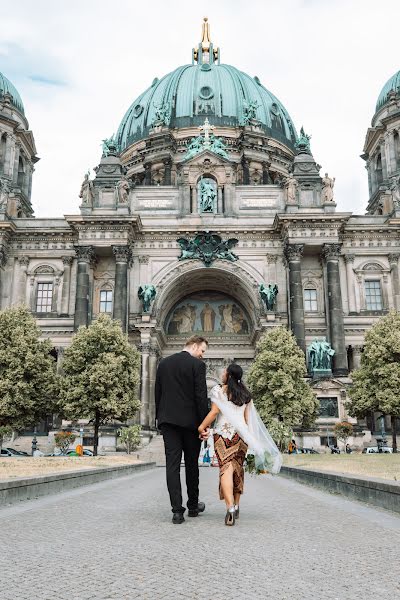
column 266, row 454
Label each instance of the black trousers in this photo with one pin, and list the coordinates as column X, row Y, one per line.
column 177, row 440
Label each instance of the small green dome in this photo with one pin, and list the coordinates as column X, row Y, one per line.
column 219, row 92
column 392, row 85
column 7, row 87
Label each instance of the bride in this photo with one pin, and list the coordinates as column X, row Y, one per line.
column 238, row 430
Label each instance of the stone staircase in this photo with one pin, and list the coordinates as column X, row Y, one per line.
column 153, row 452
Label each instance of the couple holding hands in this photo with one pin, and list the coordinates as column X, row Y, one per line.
column 184, row 419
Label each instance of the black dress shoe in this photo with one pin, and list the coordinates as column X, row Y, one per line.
column 195, row 511
column 178, row 518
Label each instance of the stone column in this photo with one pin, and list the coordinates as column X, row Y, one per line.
column 147, row 173
column 9, row 157
column 220, row 205
column 331, row 253
column 246, row 171
column 293, row 253
column 153, row 358
column 394, row 271
column 265, row 173
column 120, row 304
column 144, row 349
column 66, row 284
column 383, row 159
column 85, row 255
column 17, row 149
column 349, row 260
column 54, row 298
column 167, row 171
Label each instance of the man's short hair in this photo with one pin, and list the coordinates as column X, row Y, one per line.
column 196, row 339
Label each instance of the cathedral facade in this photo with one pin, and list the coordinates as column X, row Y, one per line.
column 208, row 213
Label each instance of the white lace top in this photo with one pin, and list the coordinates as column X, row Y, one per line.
column 222, row 424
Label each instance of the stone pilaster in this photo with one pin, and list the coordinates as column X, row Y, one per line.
column 246, row 171
column 85, row 255
column 66, row 284
column 144, row 349
column 23, row 262
column 147, row 174
column 293, row 253
column 331, row 253
column 120, row 306
column 349, row 260
column 394, row 271
column 357, row 351
column 153, row 359
column 265, row 173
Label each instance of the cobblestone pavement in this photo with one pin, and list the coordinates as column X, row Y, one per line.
column 115, row 540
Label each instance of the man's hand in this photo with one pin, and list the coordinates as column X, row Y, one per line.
column 204, row 435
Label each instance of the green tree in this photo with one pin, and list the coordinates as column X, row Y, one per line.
column 130, row 436
column 343, row 431
column 28, row 381
column 276, row 380
column 280, row 433
column 376, row 384
column 100, row 375
column 63, row 440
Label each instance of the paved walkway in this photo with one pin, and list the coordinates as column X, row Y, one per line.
column 115, row 540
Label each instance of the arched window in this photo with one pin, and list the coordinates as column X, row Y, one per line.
column 379, row 176
column 207, row 195
column 21, row 173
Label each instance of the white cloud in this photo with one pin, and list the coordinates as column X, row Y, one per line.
column 79, row 64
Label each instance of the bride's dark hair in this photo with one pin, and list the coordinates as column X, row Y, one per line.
column 237, row 392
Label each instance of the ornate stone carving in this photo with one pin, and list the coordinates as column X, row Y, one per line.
column 24, row 261
column 67, row 260
column 207, row 247
column 249, row 112
column 272, row 258
column 162, row 114
column 268, row 295
column 303, row 143
column 208, row 142
column 4, row 192
column 349, row 258
column 290, row 185
column 144, row 348
column 3, row 257
column 393, row 258
column 85, row 253
column 372, row 267
column 331, row 251
column 146, row 294
column 44, row 270
column 122, row 191
column 121, row 253
column 294, row 252
column 144, row 259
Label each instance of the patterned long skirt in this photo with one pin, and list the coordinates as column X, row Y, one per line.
column 231, row 452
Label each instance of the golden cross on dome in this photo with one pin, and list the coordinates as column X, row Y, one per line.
column 205, row 52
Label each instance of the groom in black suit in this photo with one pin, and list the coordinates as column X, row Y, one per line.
column 181, row 405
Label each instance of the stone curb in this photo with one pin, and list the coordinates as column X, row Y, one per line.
column 28, row 488
column 379, row 492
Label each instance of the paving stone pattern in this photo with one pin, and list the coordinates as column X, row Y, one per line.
column 115, row 539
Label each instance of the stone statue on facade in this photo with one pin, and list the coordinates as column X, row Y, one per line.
column 207, row 197
column 320, row 356
column 208, row 142
column 4, row 193
column 290, row 185
column 86, row 192
column 250, row 111
column 109, row 146
column 395, row 189
column 327, row 188
column 146, row 294
column 162, row 115
column 303, row 142
column 268, row 295
column 122, row 191
column 218, row 146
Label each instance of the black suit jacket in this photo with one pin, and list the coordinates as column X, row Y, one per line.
column 181, row 391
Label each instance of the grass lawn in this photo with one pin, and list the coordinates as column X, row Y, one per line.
column 383, row 466
column 27, row 467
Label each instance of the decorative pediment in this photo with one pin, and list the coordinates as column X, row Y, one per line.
column 373, row 267
column 208, row 157
column 44, row 269
column 326, row 385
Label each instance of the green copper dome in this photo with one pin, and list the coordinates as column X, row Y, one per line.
column 7, row 87
column 222, row 93
column 392, row 85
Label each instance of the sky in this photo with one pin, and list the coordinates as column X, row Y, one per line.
column 79, row 64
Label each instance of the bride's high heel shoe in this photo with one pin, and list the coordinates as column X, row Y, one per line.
column 230, row 516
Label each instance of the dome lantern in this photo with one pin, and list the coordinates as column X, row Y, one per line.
column 205, row 53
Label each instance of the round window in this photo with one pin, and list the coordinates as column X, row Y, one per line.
column 206, row 92
column 137, row 111
column 205, row 67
